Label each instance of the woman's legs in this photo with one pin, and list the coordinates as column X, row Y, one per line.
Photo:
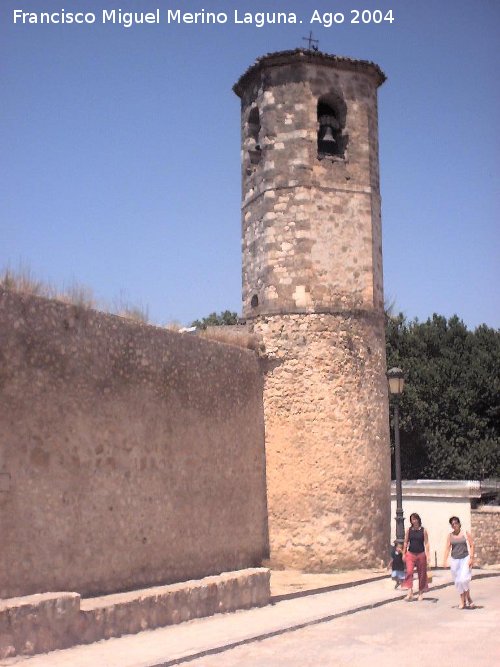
column 408, row 582
column 461, row 576
column 421, row 563
column 468, row 599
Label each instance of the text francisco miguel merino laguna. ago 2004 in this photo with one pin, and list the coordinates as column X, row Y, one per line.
column 177, row 16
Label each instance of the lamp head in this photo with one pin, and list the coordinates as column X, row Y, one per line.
column 396, row 380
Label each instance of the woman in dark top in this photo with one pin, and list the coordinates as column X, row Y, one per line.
column 460, row 544
column 416, row 554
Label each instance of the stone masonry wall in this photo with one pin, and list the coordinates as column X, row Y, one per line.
column 486, row 534
column 129, row 455
column 327, row 443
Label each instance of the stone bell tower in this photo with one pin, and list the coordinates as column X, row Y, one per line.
column 312, row 290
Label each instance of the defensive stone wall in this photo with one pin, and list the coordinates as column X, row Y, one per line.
column 486, row 533
column 130, row 456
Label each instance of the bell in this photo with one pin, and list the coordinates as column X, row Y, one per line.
column 328, row 136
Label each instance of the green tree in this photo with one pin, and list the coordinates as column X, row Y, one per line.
column 213, row 320
column 450, row 409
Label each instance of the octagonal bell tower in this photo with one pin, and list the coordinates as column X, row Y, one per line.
column 312, row 290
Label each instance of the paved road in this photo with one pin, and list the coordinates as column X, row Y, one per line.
column 416, row 634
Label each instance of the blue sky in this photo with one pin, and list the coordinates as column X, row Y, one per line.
column 120, row 150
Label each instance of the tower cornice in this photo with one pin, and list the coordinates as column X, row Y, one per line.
column 305, row 56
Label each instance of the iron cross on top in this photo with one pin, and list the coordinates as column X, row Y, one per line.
column 313, row 43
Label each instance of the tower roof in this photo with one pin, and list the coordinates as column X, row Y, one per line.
column 300, row 56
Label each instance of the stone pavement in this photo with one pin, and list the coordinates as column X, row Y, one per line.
column 431, row 632
column 296, row 604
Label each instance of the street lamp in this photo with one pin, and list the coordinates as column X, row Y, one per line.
column 396, row 384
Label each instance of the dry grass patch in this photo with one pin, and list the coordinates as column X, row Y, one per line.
column 24, row 282
column 231, row 335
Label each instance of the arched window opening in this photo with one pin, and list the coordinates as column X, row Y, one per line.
column 253, row 125
column 254, row 301
column 331, row 141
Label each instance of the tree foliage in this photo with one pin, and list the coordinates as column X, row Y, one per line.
column 450, row 408
column 213, row 320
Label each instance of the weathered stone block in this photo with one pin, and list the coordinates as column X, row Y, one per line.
column 37, row 623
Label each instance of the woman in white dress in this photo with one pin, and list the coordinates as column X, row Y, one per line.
column 460, row 544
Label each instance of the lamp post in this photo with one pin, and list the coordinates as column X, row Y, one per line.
column 396, row 380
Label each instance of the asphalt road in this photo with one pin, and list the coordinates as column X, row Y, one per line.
column 412, row 634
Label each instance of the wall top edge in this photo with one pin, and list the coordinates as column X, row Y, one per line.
column 299, row 56
column 487, row 509
column 486, row 485
column 70, row 317
column 440, row 487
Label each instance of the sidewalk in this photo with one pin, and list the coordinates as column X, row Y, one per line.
column 295, row 603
